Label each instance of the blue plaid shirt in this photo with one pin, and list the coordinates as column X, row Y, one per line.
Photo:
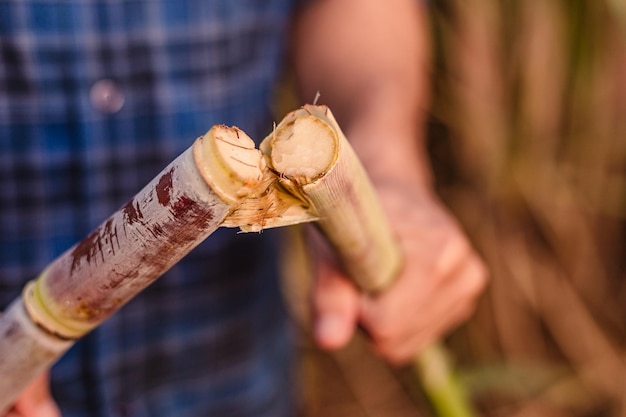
column 96, row 97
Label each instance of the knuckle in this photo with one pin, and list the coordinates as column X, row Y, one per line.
column 477, row 280
column 454, row 251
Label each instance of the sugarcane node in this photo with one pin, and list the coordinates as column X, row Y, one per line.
column 39, row 314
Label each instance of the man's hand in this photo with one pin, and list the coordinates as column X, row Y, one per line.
column 371, row 62
column 35, row 401
column 435, row 291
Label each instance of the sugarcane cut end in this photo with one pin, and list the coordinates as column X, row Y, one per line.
column 304, row 148
column 229, row 162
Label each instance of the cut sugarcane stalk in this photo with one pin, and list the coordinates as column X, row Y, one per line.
column 313, row 160
column 177, row 210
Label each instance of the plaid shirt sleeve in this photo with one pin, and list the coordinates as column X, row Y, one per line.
column 96, row 97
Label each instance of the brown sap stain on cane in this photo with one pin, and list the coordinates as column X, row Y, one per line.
column 164, row 188
column 91, row 248
column 183, row 205
column 132, row 212
column 188, row 217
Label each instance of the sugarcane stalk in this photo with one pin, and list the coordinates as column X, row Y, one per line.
column 178, row 209
column 314, row 161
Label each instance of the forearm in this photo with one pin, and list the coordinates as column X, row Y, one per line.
column 369, row 59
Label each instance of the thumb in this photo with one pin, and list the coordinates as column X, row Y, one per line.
column 335, row 305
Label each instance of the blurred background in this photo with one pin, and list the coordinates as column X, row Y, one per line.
column 528, row 142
